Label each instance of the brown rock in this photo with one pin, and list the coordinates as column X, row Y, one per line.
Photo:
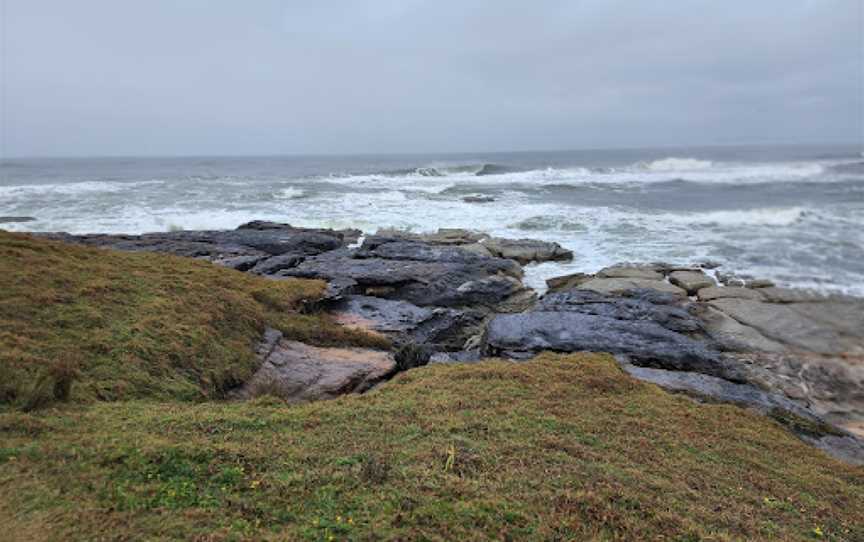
column 298, row 372
column 716, row 292
column 629, row 272
column 567, row 282
column 691, row 281
column 617, row 286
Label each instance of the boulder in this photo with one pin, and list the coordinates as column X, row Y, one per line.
column 691, row 281
column 298, row 372
column 526, row 251
column 715, row 292
column 620, row 285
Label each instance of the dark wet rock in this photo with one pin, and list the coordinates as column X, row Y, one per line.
column 14, row 219
column 641, row 306
column 526, row 251
column 715, row 292
column 459, row 279
column 478, row 199
column 239, row 263
column 217, row 245
column 645, row 342
column 274, row 264
column 691, row 281
column 390, row 249
column 406, row 323
column 298, row 372
column 348, row 236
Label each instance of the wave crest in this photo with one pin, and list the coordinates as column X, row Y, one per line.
column 677, row 164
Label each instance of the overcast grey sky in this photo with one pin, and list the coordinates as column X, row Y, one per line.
column 193, row 77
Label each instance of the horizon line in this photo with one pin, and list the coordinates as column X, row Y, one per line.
column 432, row 153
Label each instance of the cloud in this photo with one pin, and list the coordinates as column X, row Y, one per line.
column 96, row 77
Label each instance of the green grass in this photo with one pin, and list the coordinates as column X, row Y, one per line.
column 560, row 448
column 127, row 325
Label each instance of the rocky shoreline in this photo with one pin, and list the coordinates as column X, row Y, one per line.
column 456, row 296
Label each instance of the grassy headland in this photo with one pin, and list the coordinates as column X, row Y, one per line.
column 561, row 448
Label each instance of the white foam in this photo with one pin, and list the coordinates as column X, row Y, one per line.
column 769, row 216
column 291, row 192
column 678, row 164
column 72, row 188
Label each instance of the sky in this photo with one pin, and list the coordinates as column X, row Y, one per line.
column 211, row 77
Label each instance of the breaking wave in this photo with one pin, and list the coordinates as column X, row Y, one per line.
column 677, row 164
column 291, row 192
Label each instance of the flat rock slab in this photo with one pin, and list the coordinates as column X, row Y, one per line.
column 715, row 292
column 824, row 328
column 643, row 305
column 217, row 245
column 621, row 285
column 691, row 281
column 773, row 294
column 733, row 336
column 298, row 372
column 421, row 274
column 646, row 342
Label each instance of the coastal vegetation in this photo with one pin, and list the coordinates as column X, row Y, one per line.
column 114, row 425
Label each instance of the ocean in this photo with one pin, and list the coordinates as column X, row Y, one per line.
column 794, row 214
